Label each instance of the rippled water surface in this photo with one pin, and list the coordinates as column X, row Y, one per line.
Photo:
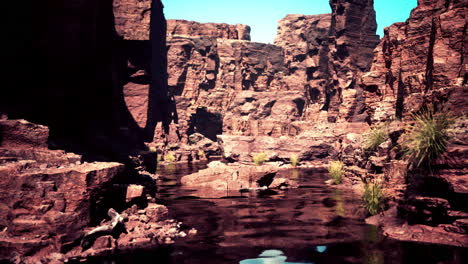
column 311, row 224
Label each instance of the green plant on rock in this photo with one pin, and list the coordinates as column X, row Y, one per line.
column 373, row 197
column 427, row 136
column 259, row 158
column 336, row 171
column 376, row 136
column 294, row 159
column 169, row 157
column 201, row 154
column 152, row 149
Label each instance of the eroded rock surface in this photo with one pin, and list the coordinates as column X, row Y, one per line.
column 47, row 195
column 216, row 30
column 224, row 84
column 419, row 60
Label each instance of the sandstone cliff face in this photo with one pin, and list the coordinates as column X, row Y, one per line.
column 132, row 19
column 422, row 59
column 224, row 84
column 327, row 53
column 47, row 196
column 215, row 30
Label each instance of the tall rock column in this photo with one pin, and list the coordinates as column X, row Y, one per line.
column 352, row 41
column 326, row 53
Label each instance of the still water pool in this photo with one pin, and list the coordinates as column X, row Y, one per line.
column 314, row 223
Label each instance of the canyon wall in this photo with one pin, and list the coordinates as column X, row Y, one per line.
column 420, row 60
column 69, row 74
column 224, row 84
column 75, row 64
column 215, row 30
column 326, row 53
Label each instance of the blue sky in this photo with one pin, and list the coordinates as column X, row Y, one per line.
column 263, row 15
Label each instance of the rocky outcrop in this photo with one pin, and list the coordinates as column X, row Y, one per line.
column 233, row 179
column 420, row 60
column 80, row 56
column 310, row 142
column 147, row 228
column 51, row 199
column 224, row 84
column 132, row 19
column 48, row 196
column 215, row 30
column 325, row 55
column 207, row 74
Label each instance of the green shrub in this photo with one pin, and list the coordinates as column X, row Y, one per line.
column 426, row 137
column 169, row 157
column 259, row 158
column 374, row 138
column 201, row 154
column 294, row 159
column 373, row 197
column 152, row 149
column 336, row 171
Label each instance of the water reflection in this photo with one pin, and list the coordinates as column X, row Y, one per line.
column 339, row 208
column 311, row 224
column 271, row 256
column 321, row 249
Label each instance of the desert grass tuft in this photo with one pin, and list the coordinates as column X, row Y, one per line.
column 336, row 171
column 259, row 158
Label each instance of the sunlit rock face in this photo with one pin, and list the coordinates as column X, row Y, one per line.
column 215, row 30
column 419, row 60
column 132, row 18
column 326, row 53
column 253, row 89
column 48, row 197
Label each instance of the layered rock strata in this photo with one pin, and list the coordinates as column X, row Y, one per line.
column 215, row 30
column 420, row 60
column 50, row 199
column 326, row 53
column 48, row 196
column 224, row 84
column 80, row 55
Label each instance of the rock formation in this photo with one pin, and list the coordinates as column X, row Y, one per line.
column 77, row 61
column 48, row 196
column 327, row 53
column 224, row 84
column 103, row 76
column 215, row 30
column 77, row 68
column 417, row 62
column 420, row 60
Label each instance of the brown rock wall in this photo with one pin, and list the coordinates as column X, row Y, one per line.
column 47, row 196
column 419, row 60
column 215, row 30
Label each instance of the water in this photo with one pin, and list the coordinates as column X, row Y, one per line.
column 312, row 224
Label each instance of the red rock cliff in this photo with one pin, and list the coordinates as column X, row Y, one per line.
column 422, row 59
column 226, row 85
